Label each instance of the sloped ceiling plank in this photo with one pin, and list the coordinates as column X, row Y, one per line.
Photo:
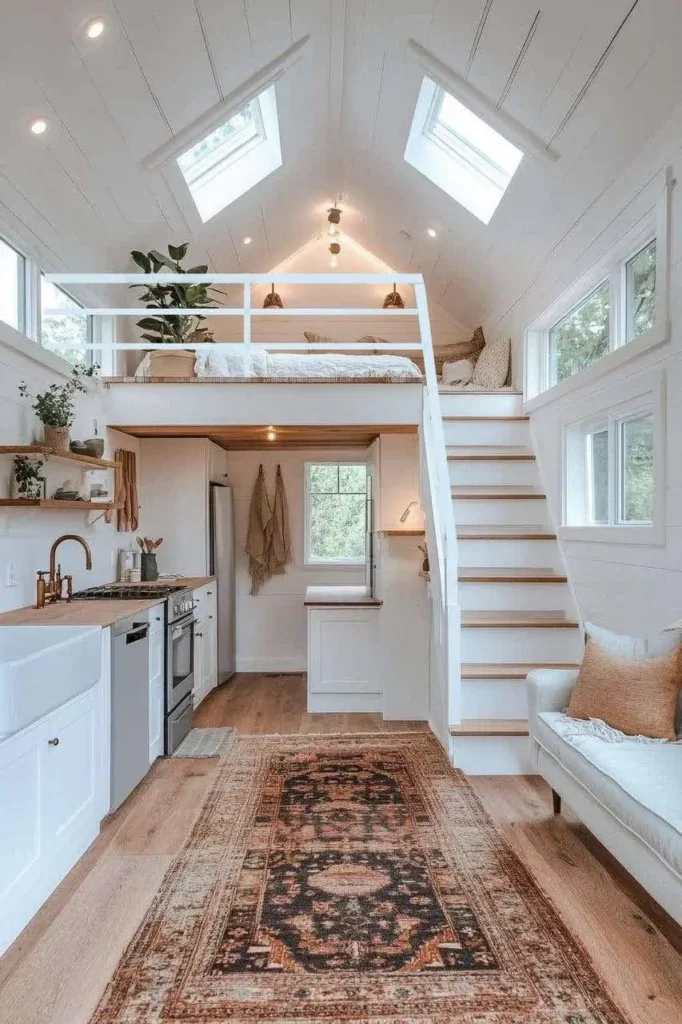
column 505, row 31
column 604, row 19
column 269, row 28
column 453, row 30
column 167, row 40
column 227, row 31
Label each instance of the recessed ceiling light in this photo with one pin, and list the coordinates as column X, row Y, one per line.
column 94, row 28
column 247, row 240
column 431, row 232
column 39, row 126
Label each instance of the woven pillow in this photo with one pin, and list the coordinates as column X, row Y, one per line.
column 637, row 697
column 492, row 366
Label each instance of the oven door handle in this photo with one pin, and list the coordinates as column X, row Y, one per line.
column 178, row 631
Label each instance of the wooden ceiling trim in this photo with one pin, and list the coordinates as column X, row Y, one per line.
column 254, row 438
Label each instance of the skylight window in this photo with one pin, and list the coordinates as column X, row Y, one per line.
column 459, row 152
column 234, row 157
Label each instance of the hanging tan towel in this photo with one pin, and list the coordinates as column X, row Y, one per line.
column 258, row 534
column 126, row 492
column 279, row 553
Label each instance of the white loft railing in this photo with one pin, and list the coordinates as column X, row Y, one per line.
column 441, row 534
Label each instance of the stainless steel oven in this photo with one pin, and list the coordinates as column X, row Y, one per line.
column 179, row 668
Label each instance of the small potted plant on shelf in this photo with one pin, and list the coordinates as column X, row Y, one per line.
column 172, row 330
column 56, row 407
column 149, row 568
column 27, row 480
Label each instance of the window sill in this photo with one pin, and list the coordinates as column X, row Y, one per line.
column 22, row 344
column 658, row 335
column 653, row 536
column 342, row 566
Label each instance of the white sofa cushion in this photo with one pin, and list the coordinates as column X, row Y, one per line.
column 639, row 783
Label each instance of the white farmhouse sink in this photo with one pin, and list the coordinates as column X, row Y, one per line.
column 42, row 667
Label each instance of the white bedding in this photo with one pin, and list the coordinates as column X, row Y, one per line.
column 229, row 363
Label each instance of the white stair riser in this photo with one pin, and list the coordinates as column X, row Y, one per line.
column 500, row 404
column 487, row 432
column 494, row 698
column 501, row 511
column 521, row 645
column 521, row 554
column 493, row 597
column 493, row 755
column 523, row 473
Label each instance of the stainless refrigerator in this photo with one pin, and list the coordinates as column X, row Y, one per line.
column 222, row 566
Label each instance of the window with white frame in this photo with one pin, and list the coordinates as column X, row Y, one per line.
column 12, row 292
column 459, row 152
column 66, row 336
column 335, row 513
column 611, row 468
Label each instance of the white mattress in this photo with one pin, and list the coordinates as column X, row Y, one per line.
column 229, row 363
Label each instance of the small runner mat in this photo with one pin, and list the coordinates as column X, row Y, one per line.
column 206, row 743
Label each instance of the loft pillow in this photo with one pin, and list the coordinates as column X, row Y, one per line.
column 637, row 697
column 636, row 648
column 459, row 372
column 492, row 365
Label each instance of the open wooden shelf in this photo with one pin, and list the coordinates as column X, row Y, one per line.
column 85, row 506
column 52, row 453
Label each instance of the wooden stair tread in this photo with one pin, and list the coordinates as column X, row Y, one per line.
column 481, row 531
column 489, row 453
column 494, row 491
column 506, row 574
column 516, row 620
column 490, row 727
column 508, row 670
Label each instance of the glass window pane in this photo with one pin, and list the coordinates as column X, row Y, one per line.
column 353, row 479
column 323, row 479
column 640, row 291
column 336, row 525
column 598, row 461
column 11, row 286
column 581, row 337
column 64, row 335
column 637, row 470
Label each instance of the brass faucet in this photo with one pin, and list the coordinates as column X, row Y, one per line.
column 51, row 591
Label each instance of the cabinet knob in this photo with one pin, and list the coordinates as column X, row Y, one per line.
column 54, row 742
column 198, row 634
column 209, row 593
column 158, row 618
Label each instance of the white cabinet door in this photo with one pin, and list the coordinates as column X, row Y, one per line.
column 199, row 662
column 206, row 641
column 157, row 679
column 217, row 463
column 210, row 653
column 69, row 765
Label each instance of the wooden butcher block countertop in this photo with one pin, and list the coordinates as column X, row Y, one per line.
column 102, row 612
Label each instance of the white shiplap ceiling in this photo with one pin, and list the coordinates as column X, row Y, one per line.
column 593, row 79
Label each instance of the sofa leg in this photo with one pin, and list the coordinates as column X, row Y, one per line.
column 556, row 802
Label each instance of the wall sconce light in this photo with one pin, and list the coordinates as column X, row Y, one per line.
column 271, row 434
column 273, row 299
column 394, row 300
column 404, row 517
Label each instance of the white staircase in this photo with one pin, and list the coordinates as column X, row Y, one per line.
column 518, row 612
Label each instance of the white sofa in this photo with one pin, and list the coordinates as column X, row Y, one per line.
column 629, row 794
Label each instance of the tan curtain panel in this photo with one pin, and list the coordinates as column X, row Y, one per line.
column 127, row 517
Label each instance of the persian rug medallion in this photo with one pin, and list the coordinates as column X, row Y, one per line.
column 334, row 879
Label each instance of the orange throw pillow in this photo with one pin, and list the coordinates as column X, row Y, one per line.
column 637, row 697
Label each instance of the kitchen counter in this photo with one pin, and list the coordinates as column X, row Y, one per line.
column 330, row 596
column 78, row 613
column 193, row 582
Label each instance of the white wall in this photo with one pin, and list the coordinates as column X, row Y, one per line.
column 628, row 587
column 26, row 535
column 271, row 627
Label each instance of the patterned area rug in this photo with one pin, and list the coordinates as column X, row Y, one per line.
column 334, row 879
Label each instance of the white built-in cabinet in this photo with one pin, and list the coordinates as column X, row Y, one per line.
column 343, row 659
column 53, row 795
column 175, row 478
column 205, row 642
column 157, row 680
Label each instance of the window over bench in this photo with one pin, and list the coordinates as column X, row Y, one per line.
column 335, row 513
column 12, row 291
column 66, row 336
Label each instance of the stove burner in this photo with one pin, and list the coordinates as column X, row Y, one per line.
column 126, row 592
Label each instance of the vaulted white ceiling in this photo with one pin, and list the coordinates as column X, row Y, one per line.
column 592, row 79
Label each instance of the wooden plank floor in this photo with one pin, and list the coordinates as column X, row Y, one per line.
column 60, row 964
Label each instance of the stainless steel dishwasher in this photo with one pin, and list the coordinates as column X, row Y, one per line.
column 129, row 706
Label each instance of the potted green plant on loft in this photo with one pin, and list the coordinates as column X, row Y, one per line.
column 56, row 407
column 171, row 330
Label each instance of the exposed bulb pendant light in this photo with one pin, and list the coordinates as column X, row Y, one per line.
column 273, row 299
column 394, row 300
column 334, row 218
